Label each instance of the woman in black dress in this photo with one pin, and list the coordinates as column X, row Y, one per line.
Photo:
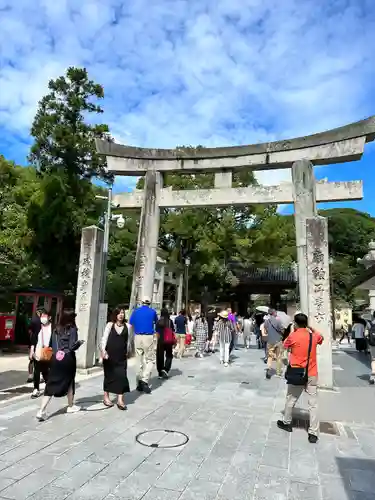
column 61, row 378
column 164, row 349
column 114, row 347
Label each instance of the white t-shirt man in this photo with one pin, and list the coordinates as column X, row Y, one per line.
column 358, row 330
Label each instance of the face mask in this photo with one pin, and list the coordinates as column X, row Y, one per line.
column 44, row 321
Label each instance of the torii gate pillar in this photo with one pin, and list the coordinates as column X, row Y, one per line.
column 304, row 208
column 148, row 237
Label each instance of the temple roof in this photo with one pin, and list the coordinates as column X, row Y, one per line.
column 280, row 276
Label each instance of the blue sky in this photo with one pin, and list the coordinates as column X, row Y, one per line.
column 210, row 72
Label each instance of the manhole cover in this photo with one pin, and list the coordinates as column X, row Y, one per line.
column 162, row 438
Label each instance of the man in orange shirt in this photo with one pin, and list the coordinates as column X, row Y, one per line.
column 298, row 343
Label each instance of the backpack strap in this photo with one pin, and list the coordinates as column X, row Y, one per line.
column 308, row 353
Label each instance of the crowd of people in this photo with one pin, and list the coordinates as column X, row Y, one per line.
column 161, row 339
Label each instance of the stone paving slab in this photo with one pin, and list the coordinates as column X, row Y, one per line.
column 235, row 450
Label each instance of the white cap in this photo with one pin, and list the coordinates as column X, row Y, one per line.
column 146, row 300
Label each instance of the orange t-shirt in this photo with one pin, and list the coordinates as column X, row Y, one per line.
column 298, row 343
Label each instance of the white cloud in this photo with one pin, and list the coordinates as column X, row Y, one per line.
column 213, row 72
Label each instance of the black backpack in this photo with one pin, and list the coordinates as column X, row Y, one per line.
column 371, row 334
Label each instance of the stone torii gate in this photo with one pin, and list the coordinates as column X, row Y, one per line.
column 335, row 146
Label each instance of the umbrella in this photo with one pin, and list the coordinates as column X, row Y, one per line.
column 284, row 318
column 263, row 309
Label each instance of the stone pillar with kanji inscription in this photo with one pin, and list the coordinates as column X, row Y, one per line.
column 87, row 298
column 319, row 300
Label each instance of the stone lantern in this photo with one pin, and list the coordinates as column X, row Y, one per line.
column 368, row 261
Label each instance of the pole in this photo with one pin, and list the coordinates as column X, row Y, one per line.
column 331, row 288
column 187, row 288
column 107, row 223
column 179, row 287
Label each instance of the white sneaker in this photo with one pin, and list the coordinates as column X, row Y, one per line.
column 41, row 416
column 226, row 365
column 73, row 409
column 35, row 394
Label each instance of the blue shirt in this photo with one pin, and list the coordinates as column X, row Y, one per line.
column 180, row 323
column 143, row 320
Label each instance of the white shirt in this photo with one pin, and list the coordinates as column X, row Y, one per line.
column 359, row 330
column 247, row 326
column 190, row 327
column 44, row 336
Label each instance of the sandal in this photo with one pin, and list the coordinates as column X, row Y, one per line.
column 122, row 407
column 109, row 404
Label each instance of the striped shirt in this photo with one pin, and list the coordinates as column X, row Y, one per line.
column 225, row 330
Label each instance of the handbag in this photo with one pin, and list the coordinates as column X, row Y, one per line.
column 60, row 354
column 188, row 339
column 169, row 336
column 44, row 354
column 296, row 375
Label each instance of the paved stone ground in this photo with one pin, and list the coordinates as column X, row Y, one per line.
column 13, row 369
column 234, row 451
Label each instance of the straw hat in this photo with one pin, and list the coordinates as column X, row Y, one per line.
column 224, row 314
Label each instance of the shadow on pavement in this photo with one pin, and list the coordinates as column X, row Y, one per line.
column 364, row 377
column 358, row 477
column 131, row 397
column 360, row 356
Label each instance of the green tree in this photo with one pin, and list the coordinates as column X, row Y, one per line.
column 65, row 156
column 349, row 233
column 63, row 138
column 18, row 186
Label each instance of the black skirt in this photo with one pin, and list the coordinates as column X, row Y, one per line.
column 115, row 377
column 61, row 376
column 360, row 344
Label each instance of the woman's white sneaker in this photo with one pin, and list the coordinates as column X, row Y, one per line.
column 41, row 416
column 73, row 409
column 35, row 394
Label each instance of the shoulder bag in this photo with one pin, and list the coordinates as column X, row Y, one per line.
column 169, row 336
column 44, row 354
column 296, row 375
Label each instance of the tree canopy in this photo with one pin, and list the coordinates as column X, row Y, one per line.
column 65, row 157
